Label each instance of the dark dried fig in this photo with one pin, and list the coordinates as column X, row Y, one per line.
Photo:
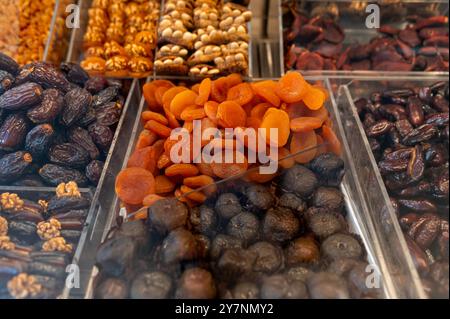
column 77, row 104
column 39, row 140
column 49, row 109
column 14, row 165
column 13, row 131
column 21, row 97
column 117, row 254
column 81, row 137
column 55, row 175
column 329, row 168
column 300, row 180
column 69, row 154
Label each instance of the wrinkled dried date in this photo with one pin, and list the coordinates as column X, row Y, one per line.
column 14, row 165
column 21, row 97
column 420, row 134
column 69, row 154
column 101, row 135
column 49, row 109
column 13, row 131
column 77, row 103
column 39, row 140
column 108, row 114
column 82, row 138
column 44, row 74
column 379, row 128
column 55, row 175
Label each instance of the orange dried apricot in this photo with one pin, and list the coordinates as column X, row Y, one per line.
column 233, row 79
column 211, row 110
column 158, row 128
column 163, row 185
column 134, row 184
column 321, row 113
column 259, row 110
column 304, row 124
column 181, row 101
column 219, row 90
column 146, row 138
column 201, row 181
column 204, row 91
column 149, row 200
column 185, row 170
column 314, row 98
column 192, row 113
column 231, row 115
column 298, row 109
column 254, row 122
column 334, row 145
column 159, row 93
column 257, row 177
column 292, row 87
column 205, row 169
column 149, row 115
column 163, row 161
column 196, row 87
column 241, row 93
column 191, row 194
column 283, row 158
column 301, row 142
column 278, row 119
column 188, row 125
column 170, row 94
column 266, row 90
column 148, row 90
column 224, row 170
column 144, row 158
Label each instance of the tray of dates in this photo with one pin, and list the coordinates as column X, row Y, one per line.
column 228, row 230
column 339, row 37
column 404, row 127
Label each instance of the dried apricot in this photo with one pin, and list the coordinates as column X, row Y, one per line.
column 163, row 161
column 233, row 79
column 196, row 88
column 191, row 194
column 314, row 98
column 148, row 201
column 158, row 128
column 304, row 142
column 204, row 91
column 259, row 110
column 321, row 113
column 225, row 170
column 334, row 145
column 278, row 119
column 181, row 101
column 241, row 93
column 134, row 184
column 163, row 185
column 207, row 124
column 254, row 122
column 292, row 87
column 188, row 125
column 266, row 90
column 159, row 93
column 185, row 170
column 304, row 124
column 144, row 158
column 201, row 181
column 148, row 90
column 192, row 113
column 257, row 177
column 146, row 138
column 211, row 110
column 298, row 109
column 219, row 90
column 149, row 115
column 231, row 115
column 285, row 160
column 205, row 169
column 170, row 94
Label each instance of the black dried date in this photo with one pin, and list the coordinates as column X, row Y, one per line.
column 379, row 128
column 101, row 135
column 44, row 74
column 74, row 73
column 108, row 114
column 416, row 165
column 420, row 134
column 49, row 109
column 38, row 140
column 14, row 165
column 69, row 154
column 94, row 171
column 415, row 111
column 95, row 84
column 77, row 103
column 21, row 97
column 81, row 137
column 55, row 175
column 6, row 81
column 8, row 64
column 13, row 131
column 107, row 95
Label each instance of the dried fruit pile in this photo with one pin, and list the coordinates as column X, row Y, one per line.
column 121, row 37
column 317, row 44
column 56, row 125
column 203, row 38
column 291, row 105
column 284, row 239
column 37, row 241
column 408, row 131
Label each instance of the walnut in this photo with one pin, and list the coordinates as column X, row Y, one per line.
column 113, row 48
column 57, row 244
column 44, row 204
column 6, row 243
column 68, row 189
column 93, row 64
column 145, row 37
column 140, row 65
column 23, row 286
column 3, row 226
column 137, row 49
column 95, row 51
column 117, row 63
column 9, row 201
column 49, row 229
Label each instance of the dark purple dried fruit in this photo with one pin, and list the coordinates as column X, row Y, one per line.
column 95, row 84
column 77, row 103
column 101, row 135
column 94, row 171
column 55, row 175
column 329, row 169
column 6, row 81
column 8, row 64
column 115, row 255
column 151, row 285
column 64, row 204
column 425, row 230
column 341, row 246
column 438, row 119
column 302, row 250
column 325, row 285
column 87, row 118
column 269, row 257
column 259, row 198
column 43, row 74
column 235, row 262
column 163, row 222
column 280, row 225
column 39, row 140
column 393, row 112
column 420, row 134
column 329, row 198
column 112, row 288
column 180, row 245
column 280, row 287
column 380, row 128
column 108, row 114
column 13, row 132
column 81, row 137
column 416, row 165
column 415, row 111
column 244, row 226
column 223, row 242
column 228, row 205
column 49, row 109
column 196, row 283
column 325, row 224
column 107, row 95
column 74, row 73
column 69, row 154
column 418, row 205
column 293, row 202
column 21, row 97
column 14, row 165
column 299, row 180
column 203, row 220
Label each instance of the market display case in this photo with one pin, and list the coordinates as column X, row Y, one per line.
column 329, row 43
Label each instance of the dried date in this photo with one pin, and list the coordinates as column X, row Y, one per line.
column 6, row 81
column 8, row 64
column 21, row 97
column 420, row 134
column 14, row 165
column 94, row 171
column 44, row 74
column 74, row 73
column 108, row 114
column 13, row 131
column 416, row 165
column 101, row 135
column 107, row 95
column 418, row 205
column 77, row 103
column 49, row 109
column 415, row 111
column 380, row 128
column 55, row 175
column 425, row 230
column 69, row 154
column 39, row 140
column 81, row 137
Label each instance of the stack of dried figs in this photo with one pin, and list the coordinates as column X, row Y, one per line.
column 284, row 239
column 56, row 125
column 408, row 131
column 37, row 240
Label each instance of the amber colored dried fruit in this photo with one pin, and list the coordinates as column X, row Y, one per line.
column 163, row 185
column 185, row 170
column 170, row 94
column 304, row 124
column 267, row 91
column 220, row 87
column 201, row 181
column 134, row 184
column 49, row 109
column 322, row 147
column 149, row 115
column 159, row 93
column 206, row 169
column 192, row 113
column 39, row 139
column 21, row 97
column 295, row 110
column 241, row 93
column 13, row 131
column 231, row 115
column 256, row 176
column 285, row 160
column 301, row 142
column 181, row 101
column 144, row 158
column 292, row 87
column 14, row 165
column 191, row 194
column 146, row 138
column 321, row 113
column 158, row 128
column 314, row 98
column 334, row 145
column 276, row 119
column 211, row 110
column 259, row 110
column 225, row 170
column 204, row 90
column 149, row 90
column 55, row 175
column 77, row 102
